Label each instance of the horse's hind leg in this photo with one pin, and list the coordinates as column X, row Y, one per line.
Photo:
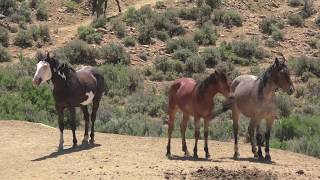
column 235, row 118
column 172, row 114
column 206, row 134
column 183, row 127
column 118, row 3
column 95, row 107
column 73, row 125
column 196, row 135
column 86, row 119
column 252, row 128
column 259, row 141
column 105, row 8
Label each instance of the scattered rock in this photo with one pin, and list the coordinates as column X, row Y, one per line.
column 300, row 172
column 2, row 16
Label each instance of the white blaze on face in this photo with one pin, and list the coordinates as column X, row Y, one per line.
column 43, row 72
column 90, row 98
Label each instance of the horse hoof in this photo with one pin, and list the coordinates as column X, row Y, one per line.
column 268, row 158
column 195, row 156
column 74, row 146
column 260, row 158
column 91, row 141
column 60, row 148
column 187, row 154
column 208, row 156
column 255, row 155
column 236, row 156
column 85, row 142
column 169, row 156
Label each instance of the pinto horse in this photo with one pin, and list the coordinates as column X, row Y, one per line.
column 72, row 89
column 195, row 99
column 254, row 97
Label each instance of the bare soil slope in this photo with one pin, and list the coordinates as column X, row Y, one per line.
column 28, row 151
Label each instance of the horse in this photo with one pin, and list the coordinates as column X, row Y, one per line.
column 195, row 99
column 72, row 89
column 254, row 97
column 98, row 3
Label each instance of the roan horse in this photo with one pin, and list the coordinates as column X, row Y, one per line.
column 97, row 4
column 254, row 97
column 72, row 89
column 195, row 99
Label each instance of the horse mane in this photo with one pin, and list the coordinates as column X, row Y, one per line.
column 264, row 77
column 62, row 68
column 204, row 84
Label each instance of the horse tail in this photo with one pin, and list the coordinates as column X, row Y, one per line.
column 101, row 85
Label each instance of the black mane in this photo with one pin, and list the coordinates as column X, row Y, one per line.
column 204, row 84
column 264, row 78
column 61, row 69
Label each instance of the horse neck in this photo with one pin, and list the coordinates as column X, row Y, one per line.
column 269, row 90
column 210, row 91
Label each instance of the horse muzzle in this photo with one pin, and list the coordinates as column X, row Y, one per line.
column 36, row 81
column 291, row 90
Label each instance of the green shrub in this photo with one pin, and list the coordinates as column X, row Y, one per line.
column 42, row 12
column 167, row 65
column 8, row 7
column 129, row 41
column 23, row 39
column 308, row 8
column 88, row 34
column 313, row 42
column 119, row 28
column 295, row 3
column 305, row 64
column 131, row 16
column 77, row 52
column 182, row 54
column 204, row 14
column 160, row 5
column 143, row 56
column 284, row 104
column 189, row 14
column 99, row 22
column 23, row 13
column 313, row 86
column 4, row 37
column 181, row 43
column 268, row 24
column 206, row 35
column 277, row 34
column 195, row 64
column 247, row 49
column 70, row 5
column 162, row 35
column 255, row 70
column 146, row 32
column 34, row 4
column 157, row 76
column 4, row 55
column 214, row 3
column 211, row 56
column 227, row 18
column 228, row 67
column 40, row 32
column 295, row 20
column 114, row 54
column 121, row 80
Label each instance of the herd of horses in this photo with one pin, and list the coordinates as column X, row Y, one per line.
column 252, row 96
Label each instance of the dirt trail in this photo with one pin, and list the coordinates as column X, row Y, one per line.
column 28, row 151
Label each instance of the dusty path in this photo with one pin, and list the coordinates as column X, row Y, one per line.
column 28, row 151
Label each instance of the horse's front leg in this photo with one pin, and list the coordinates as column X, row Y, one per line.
column 196, row 135
column 259, row 141
column 61, row 126
column 252, row 129
column 72, row 111
column 267, row 136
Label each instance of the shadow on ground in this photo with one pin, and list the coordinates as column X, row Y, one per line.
column 82, row 147
column 190, row 158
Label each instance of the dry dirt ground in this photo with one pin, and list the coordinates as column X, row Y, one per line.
column 29, row 151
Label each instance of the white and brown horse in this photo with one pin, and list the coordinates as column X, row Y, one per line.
column 254, row 97
column 72, row 89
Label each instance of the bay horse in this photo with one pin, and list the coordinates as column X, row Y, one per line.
column 195, row 99
column 96, row 4
column 254, row 97
column 72, row 89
